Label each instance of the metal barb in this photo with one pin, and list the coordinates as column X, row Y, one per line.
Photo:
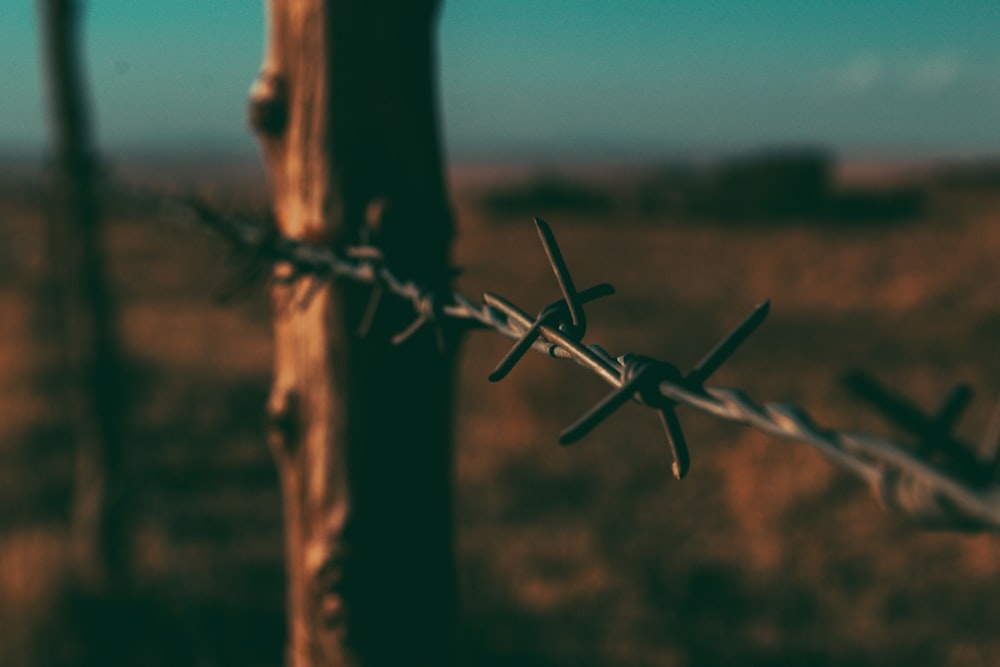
column 952, row 408
column 255, row 242
column 567, row 315
column 371, row 309
column 428, row 313
column 315, row 284
column 641, row 378
column 608, row 405
column 676, row 441
column 933, row 432
column 554, row 314
column 906, row 414
column 728, row 345
column 643, row 375
column 577, row 326
column 897, row 409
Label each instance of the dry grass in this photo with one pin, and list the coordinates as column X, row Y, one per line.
column 591, row 555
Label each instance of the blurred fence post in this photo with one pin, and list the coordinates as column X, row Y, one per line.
column 81, row 313
column 345, row 113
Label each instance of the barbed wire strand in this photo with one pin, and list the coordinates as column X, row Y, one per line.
column 934, row 493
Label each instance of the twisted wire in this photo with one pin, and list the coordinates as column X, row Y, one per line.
column 930, row 494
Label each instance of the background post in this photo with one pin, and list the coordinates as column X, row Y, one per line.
column 79, row 314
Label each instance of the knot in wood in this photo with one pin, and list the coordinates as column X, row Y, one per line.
column 267, row 112
column 284, row 423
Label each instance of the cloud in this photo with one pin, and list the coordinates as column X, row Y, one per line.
column 933, row 74
column 859, row 74
column 866, row 72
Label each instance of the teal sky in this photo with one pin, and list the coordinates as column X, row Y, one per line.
column 567, row 78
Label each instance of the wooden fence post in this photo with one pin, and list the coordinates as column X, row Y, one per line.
column 345, row 114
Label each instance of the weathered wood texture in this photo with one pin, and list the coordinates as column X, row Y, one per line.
column 345, row 113
column 80, row 313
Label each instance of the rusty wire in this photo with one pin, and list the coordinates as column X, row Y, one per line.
column 939, row 483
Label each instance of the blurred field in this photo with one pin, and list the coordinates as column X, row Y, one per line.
column 591, row 555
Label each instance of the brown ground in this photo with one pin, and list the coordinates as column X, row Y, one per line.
column 591, row 555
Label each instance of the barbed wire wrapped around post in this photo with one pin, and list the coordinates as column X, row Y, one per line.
column 939, row 483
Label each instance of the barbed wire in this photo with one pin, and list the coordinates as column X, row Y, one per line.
column 938, row 481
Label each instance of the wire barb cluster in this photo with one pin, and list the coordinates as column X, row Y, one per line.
column 940, row 482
